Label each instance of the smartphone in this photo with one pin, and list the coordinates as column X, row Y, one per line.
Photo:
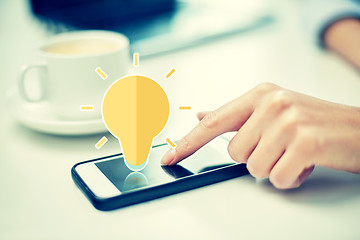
column 109, row 184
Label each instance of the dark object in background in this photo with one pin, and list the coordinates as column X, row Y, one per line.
column 155, row 26
column 100, row 14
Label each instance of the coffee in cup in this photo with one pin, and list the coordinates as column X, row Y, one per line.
column 82, row 47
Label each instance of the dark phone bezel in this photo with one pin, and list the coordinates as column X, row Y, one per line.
column 158, row 191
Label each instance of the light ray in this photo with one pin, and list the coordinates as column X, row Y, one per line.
column 170, row 143
column 86, row 108
column 101, row 73
column 101, row 142
column 136, row 59
column 170, row 73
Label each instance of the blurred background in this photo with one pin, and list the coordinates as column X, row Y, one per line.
column 153, row 27
column 163, row 27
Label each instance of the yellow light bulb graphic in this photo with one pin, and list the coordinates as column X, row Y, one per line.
column 135, row 109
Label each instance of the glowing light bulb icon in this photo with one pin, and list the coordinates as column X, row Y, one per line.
column 135, row 109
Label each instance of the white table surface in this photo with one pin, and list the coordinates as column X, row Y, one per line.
column 38, row 199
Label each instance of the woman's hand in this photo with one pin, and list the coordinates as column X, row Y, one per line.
column 281, row 135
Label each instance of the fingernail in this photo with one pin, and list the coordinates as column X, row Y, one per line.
column 168, row 157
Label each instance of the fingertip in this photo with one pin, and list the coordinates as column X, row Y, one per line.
column 168, row 158
column 305, row 174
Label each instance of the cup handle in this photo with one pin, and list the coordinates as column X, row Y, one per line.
column 21, row 80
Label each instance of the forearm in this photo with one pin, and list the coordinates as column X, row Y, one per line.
column 343, row 37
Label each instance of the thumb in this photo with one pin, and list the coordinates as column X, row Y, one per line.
column 201, row 115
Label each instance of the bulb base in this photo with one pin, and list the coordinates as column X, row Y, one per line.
column 134, row 167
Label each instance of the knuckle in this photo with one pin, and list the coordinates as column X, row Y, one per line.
column 303, row 137
column 308, row 143
column 257, row 170
column 291, row 121
column 210, row 121
column 279, row 100
column 264, row 87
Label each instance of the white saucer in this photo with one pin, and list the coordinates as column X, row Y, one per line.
column 38, row 116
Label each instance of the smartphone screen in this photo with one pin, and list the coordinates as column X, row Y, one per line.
column 155, row 174
column 109, row 177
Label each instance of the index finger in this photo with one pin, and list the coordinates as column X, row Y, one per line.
column 229, row 117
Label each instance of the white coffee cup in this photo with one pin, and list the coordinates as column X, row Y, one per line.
column 68, row 62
